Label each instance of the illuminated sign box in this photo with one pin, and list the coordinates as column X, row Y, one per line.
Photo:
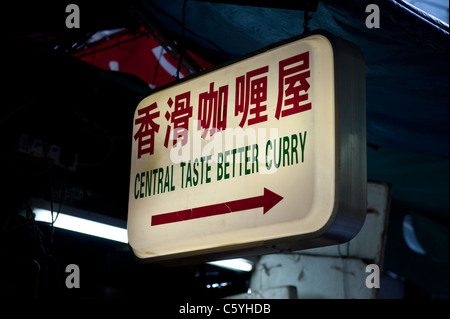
column 265, row 154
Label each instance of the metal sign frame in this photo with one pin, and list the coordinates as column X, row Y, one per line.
column 348, row 210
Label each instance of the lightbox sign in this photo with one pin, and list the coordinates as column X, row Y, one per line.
column 262, row 155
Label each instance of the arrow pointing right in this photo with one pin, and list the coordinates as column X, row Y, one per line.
column 268, row 200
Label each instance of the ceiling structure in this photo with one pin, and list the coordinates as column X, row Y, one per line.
column 58, row 98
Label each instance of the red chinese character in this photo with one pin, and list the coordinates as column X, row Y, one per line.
column 291, row 99
column 251, row 92
column 180, row 118
column 212, row 107
column 146, row 131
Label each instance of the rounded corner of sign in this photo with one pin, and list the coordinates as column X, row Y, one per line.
column 139, row 255
column 138, row 106
column 141, row 104
column 322, row 32
column 327, row 226
column 135, row 252
column 342, row 225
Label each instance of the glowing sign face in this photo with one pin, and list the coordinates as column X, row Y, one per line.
column 262, row 155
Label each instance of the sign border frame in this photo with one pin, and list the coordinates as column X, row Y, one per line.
column 349, row 210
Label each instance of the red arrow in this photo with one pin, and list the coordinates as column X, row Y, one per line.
column 267, row 201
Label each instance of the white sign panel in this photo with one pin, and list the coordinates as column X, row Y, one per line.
column 261, row 155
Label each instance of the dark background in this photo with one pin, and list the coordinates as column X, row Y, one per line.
column 51, row 95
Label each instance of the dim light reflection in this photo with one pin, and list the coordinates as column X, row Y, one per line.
column 239, row 264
